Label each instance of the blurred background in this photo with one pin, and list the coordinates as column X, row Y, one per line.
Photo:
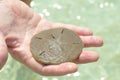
column 102, row 16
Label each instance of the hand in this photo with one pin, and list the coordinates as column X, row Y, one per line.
column 3, row 50
column 18, row 26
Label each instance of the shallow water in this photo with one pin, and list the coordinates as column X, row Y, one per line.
column 102, row 16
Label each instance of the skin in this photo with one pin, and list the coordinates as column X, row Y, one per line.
column 18, row 23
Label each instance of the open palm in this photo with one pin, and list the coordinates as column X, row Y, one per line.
column 18, row 26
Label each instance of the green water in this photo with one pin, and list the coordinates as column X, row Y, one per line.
column 102, row 16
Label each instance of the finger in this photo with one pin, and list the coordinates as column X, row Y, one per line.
column 51, row 70
column 3, row 51
column 87, row 56
column 79, row 30
column 58, row 70
column 92, row 41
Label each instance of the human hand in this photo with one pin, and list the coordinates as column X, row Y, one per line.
column 3, row 51
column 18, row 26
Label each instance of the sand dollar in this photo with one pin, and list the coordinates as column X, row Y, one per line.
column 55, row 46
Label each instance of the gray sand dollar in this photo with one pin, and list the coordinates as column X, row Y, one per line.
column 55, row 46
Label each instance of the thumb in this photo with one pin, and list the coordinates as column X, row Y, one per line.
column 3, row 51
